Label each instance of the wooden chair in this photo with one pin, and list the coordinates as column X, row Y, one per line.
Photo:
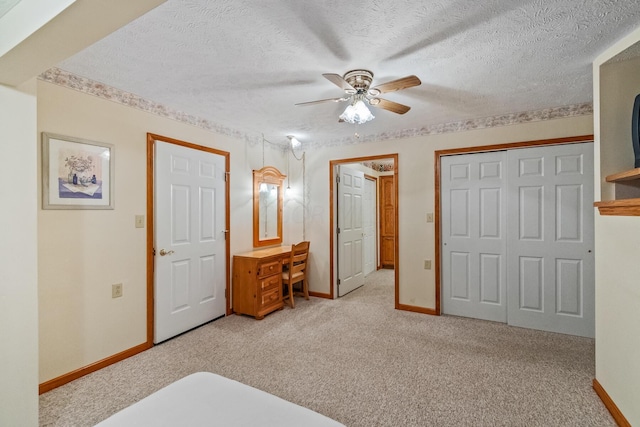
column 297, row 272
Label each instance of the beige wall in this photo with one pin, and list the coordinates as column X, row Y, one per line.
column 618, row 311
column 617, row 237
column 81, row 253
column 18, row 274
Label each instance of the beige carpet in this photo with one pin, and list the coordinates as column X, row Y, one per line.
column 363, row 363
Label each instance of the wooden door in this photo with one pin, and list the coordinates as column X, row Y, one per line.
column 387, row 221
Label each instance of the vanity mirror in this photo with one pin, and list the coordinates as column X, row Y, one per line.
column 267, row 206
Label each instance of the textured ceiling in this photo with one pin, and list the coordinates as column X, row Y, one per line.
column 243, row 64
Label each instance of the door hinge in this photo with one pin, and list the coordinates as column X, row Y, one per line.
column 226, row 232
column 338, row 179
column 226, row 176
column 338, row 282
column 338, row 230
column 226, row 293
column 154, row 251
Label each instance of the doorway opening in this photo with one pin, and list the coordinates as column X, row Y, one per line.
column 375, row 167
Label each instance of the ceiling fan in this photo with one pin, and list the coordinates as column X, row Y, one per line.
column 357, row 88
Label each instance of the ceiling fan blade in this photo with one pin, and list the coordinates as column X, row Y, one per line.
column 320, row 101
column 389, row 105
column 337, row 80
column 403, row 83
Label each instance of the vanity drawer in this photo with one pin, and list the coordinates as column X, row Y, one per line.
column 270, row 268
column 271, row 297
column 270, row 282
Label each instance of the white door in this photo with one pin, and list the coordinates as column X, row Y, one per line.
column 473, row 236
column 189, row 214
column 550, row 247
column 369, row 221
column 517, row 237
column 350, row 230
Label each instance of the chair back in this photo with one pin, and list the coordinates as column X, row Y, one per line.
column 298, row 258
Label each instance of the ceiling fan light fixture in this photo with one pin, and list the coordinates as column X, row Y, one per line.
column 357, row 88
column 357, row 113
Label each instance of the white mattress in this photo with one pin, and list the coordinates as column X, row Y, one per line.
column 206, row 399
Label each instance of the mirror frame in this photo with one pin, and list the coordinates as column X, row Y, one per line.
column 269, row 175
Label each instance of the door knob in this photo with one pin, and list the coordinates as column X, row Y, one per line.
column 163, row 252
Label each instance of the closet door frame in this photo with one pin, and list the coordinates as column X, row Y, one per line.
column 477, row 149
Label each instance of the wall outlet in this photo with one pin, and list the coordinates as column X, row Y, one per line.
column 116, row 290
column 429, row 217
column 427, row 264
column 139, row 221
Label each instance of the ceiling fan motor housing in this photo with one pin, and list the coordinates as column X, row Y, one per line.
column 360, row 80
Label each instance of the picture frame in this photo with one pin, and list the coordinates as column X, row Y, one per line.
column 76, row 173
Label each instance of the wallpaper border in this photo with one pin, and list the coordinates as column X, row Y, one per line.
column 69, row 80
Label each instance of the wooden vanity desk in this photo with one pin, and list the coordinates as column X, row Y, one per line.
column 257, row 281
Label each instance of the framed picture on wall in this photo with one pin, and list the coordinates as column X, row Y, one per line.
column 76, row 173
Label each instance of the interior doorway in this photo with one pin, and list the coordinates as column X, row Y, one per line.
column 373, row 167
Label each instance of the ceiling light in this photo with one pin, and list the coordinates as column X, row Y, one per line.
column 357, row 113
column 294, row 142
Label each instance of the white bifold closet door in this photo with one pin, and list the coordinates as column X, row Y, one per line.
column 517, row 237
column 550, row 259
column 473, row 236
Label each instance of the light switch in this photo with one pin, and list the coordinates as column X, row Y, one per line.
column 139, row 221
column 116, row 290
column 429, row 217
